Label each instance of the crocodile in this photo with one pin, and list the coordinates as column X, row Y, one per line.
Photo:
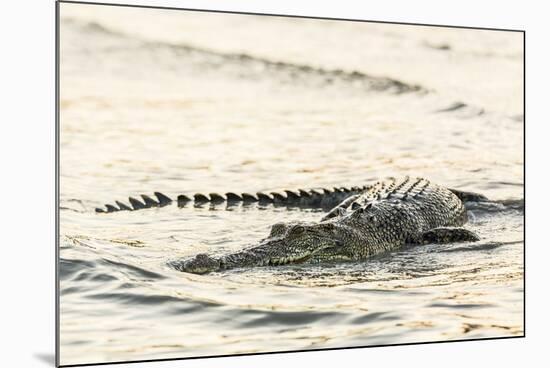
column 370, row 220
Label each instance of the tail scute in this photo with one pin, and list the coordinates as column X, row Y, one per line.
column 201, row 198
column 292, row 196
column 111, row 208
column 164, row 200
column 216, row 198
column 264, row 198
column 137, row 205
column 278, row 197
column 149, row 202
column 249, row 198
column 232, row 197
column 183, row 200
column 122, row 206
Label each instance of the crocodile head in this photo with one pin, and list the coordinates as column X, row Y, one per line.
column 286, row 243
column 298, row 242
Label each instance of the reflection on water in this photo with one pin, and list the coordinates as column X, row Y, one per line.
column 168, row 107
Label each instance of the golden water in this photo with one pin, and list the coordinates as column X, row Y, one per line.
column 183, row 102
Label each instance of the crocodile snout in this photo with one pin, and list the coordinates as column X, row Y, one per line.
column 201, row 263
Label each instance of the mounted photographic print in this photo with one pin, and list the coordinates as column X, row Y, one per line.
column 237, row 184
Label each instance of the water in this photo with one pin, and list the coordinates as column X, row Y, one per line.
column 184, row 102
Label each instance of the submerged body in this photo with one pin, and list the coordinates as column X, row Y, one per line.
column 380, row 218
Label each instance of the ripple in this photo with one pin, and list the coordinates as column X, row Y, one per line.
column 134, row 270
column 460, row 306
column 372, row 317
column 292, row 318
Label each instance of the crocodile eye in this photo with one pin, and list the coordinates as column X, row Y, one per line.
column 297, row 230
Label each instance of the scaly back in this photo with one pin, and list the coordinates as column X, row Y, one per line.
column 397, row 210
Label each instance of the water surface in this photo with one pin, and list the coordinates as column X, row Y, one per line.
column 193, row 102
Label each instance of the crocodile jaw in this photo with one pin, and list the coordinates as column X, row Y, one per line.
column 280, row 261
column 292, row 256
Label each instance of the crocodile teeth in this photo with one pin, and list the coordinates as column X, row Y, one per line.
column 281, row 261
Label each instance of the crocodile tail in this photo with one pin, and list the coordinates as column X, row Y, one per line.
column 322, row 198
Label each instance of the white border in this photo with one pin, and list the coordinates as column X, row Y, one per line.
column 27, row 308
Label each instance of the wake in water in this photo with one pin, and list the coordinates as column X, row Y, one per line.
column 250, row 67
